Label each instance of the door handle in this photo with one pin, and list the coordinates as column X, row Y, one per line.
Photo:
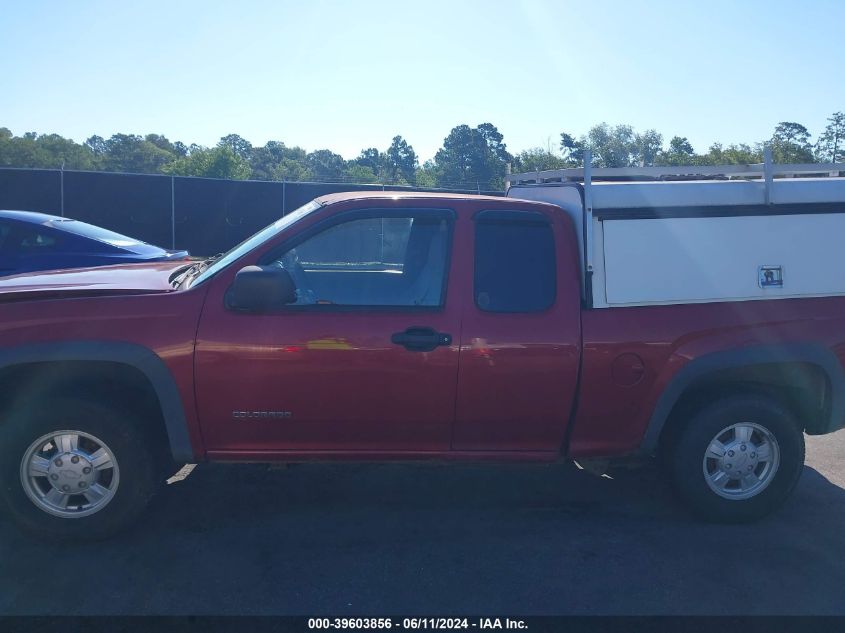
column 421, row 339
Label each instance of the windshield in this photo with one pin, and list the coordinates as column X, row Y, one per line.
column 253, row 242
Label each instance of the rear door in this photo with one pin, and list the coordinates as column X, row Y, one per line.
column 366, row 360
column 520, row 343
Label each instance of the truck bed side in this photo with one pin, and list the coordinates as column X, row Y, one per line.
column 632, row 356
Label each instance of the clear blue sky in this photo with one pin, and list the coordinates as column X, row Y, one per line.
column 349, row 75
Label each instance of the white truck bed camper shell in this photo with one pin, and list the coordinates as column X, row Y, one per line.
column 645, row 241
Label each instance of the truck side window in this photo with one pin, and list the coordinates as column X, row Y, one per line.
column 514, row 263
column 381, row 261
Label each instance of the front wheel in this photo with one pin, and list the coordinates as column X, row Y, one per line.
column 736, row 460
column 76, row 470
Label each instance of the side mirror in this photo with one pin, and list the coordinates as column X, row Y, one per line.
column 260, row 289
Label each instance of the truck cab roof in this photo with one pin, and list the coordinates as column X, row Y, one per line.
column 401, row 195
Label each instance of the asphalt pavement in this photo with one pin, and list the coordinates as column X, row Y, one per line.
column 441, row 540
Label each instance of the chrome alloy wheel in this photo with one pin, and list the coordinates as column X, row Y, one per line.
column 741, row 461
column 69, row 474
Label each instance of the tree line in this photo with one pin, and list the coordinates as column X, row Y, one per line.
column 470, row 157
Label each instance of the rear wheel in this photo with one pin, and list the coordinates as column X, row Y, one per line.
column 76, row 470
column 737, row 459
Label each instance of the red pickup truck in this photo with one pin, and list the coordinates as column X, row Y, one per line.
column 387, row 326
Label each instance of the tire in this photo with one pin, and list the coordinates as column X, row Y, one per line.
column 109, row 488
column 718, row 486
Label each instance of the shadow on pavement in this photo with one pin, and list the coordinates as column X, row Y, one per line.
column 436, row 540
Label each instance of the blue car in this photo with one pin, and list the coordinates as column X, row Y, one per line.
column 35, row 241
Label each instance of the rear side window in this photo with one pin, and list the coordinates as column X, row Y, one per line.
column 514, row 262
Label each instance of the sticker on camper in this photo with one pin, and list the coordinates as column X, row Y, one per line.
column 770, row 276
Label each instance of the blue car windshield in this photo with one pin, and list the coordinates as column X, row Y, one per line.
column 256, row 240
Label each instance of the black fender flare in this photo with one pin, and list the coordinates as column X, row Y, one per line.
column 137, row 356
column 809, row 353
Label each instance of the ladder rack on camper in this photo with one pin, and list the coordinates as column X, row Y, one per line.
column 766, row 171
column 679, row 234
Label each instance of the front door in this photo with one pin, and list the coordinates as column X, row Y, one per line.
column 365, row 360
